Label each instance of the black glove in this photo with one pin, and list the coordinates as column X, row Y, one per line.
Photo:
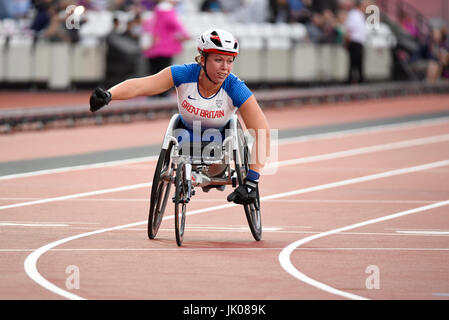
column 244, row 194
column 99, row 99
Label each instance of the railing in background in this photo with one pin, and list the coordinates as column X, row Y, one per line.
column 394, row 8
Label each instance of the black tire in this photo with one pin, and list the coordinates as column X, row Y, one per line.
column 252, row 211
column 160, row 191
column 180, row 202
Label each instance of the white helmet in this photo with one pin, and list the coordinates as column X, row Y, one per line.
column 218, row 41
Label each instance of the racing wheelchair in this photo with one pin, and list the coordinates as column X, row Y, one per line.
column 217, row 165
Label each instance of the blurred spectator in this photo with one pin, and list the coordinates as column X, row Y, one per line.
column 355, row 39
column 210, row 6
column 14, row 9
column 408, row 24
column 315, row 28
column 332, row 30
column 147, row 4
column 98, row 5
column 42, row 17
column 279, row 11
column 252, row 11
column 134, row 28
column 300, row 11
column 122, row 5
column 230, row 5
column 322, row 5
column 122, row 53
column 434, row 57
column 166, row 35
column 445, row 44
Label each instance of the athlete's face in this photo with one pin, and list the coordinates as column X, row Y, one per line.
column 219, row 66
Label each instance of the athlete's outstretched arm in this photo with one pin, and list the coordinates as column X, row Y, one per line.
column 256, row 122
column 146, row 86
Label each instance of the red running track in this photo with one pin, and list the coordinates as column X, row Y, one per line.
column 48, row 224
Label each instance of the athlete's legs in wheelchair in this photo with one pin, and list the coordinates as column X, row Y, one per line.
column 205, row 150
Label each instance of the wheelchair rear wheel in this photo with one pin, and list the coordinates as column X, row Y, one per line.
column 180, row 202
column 252, row 211
column 160, row 191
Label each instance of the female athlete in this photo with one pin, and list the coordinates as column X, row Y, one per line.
column 207, row 91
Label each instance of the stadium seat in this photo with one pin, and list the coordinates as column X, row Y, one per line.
column 41, row 62
column 88, row 62
column 250, row 59
column 298, row 32
column 2, row 57
column 277, row 60
column 19, row 59
column 60, row 66
column 340, row 64
column 333, row 63
column 377, row 63
column 304, row 62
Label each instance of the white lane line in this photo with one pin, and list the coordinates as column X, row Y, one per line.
column 369, row 130
column 52, row 222
column 375, row 176
column 284, row 256
column 30, row 263
column 350, row 201
column 431, row 233
column 364, row 150
column 77, row 195
column 337, row 135
column 178, row 250
column 6, row 224
column 80, row 167
column 329, row 156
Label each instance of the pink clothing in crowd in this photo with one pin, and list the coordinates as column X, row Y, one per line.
column 167, row 32
column 411, row 28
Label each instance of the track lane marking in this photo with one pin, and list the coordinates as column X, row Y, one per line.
column 284, row 141
column 284, row 256
column 303, row 160
column 77, row 195
column 229, row 249
column 80, row 167
column 30, row 263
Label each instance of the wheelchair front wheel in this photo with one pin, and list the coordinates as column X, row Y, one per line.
column 180, row 200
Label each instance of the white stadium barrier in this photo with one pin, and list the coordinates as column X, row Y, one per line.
column 249, row 64
column 2, row 57
column 88, row 62
column 269, row 53
column 42, row 62
column 304, row 62
column 60, row 61
column 19, row 59
column 276, row 66
column 378, row 63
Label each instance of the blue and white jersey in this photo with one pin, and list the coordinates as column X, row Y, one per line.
column 214, row 111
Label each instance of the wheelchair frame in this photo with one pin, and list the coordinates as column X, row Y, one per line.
column 187, row 172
